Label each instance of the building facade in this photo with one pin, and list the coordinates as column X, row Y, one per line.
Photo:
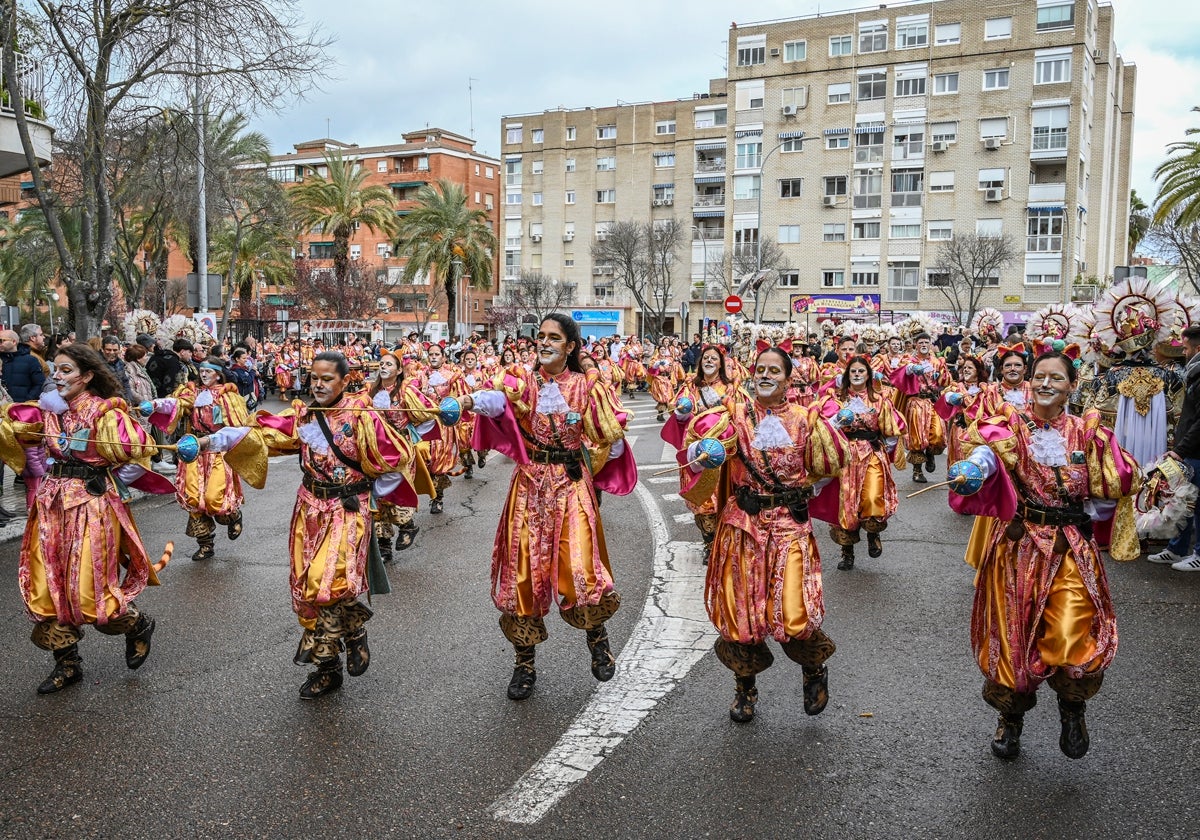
column 859, row 142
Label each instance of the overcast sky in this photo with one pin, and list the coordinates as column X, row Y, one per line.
column 403, row 66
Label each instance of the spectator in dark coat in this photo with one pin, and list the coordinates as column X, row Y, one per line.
column 1181, row 552
column 165, row 369
column 110, row 347
column 23, row 375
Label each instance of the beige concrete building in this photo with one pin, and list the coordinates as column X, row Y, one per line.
column 858, row 141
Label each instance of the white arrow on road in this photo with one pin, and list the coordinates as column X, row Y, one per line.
column 671, row 636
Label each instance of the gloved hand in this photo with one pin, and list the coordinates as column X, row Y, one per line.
column 954, row 398
column 968, row 478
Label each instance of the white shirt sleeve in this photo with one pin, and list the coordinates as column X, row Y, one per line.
column 489, row 403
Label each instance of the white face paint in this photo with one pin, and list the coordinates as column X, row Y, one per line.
column 67, row 378
column 325, row 383
column 1051, row 386
column 435, row 357
column 209, row 378
column 858, row 375
column 1013, row 371
column 553, row 347
column 769, row 378
column 710, row 363
column 388, row 368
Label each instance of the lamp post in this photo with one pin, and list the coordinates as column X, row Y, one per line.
column 53, row 299
column 704, row 291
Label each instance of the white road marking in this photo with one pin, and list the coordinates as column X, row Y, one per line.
column 662, row 466
column 671, row 636
column 630, row 440
column 663, row 479
column 653, row 424
column 684, row 517
column 671, row 497
column 668, row 453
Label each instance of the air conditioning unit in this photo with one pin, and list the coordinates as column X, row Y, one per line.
column 568, row 237
column 601, row 235
column 991, row 144
column 774, row 52
column 1098, row 55
column 993, row 194
column 789, row 110
column 667, row 202
column 535, row 237
column 658, row 202
column 829, row 201
column 939, row 145
column 597, row 271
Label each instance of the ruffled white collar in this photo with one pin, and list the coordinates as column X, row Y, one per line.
column 771, row 434
column 551, row 400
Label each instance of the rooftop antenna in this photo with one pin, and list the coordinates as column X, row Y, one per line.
column 471, row 102
column 327, row 126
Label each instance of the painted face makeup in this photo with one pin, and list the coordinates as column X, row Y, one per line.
column 326, row 383
column 68, row 379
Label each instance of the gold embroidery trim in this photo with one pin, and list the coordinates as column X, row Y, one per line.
column 1140, row 386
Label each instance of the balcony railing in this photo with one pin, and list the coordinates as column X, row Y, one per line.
column 715, row 200
column 707, row 165
column 33, row 88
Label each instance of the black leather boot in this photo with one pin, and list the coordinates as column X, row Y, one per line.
column 327, row 678
column 930, row 464
column 137, row 642
column 358, row 655
column 436, row 505
column 847, row 558
column 205, row 551
column 385, row 549
column 524, row 673
column 604, row 666
column 816, row 689
column 1073, row 741
column 67, row 671
column 407, row 535
column 234, row 528
column 744, row 698
column 1007, row 743
column 918, row 476
column 874, row 545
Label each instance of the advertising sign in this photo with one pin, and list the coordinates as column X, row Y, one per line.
column 821, row 304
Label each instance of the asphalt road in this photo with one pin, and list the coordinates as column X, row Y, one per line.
column 209, row 739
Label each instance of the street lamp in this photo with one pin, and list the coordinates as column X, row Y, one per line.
column 704, row 291
column 53, row 300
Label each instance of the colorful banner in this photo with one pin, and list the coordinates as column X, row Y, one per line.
column 843, row 304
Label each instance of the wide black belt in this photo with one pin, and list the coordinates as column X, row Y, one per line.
column 328, row 490
column 928, row 395
column 796, row 501
column 95, row 479
column 550, row 455
column 1036, row 514
column 862, row 434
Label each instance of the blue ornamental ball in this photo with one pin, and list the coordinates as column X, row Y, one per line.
column 684, row 406
column 713, row 451
column 845, row 417
column 449, row 411
column 147, row 408
column 188, row 448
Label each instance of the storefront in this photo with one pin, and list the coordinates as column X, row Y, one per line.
column 597, row 323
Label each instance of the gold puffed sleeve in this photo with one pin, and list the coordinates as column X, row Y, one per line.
column 600, row 424
column 119, row 438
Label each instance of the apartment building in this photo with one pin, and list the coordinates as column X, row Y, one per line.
column 422, row 157
column 858, row 141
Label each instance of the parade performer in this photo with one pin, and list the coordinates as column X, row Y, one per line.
column 921, row 379
column 348, row 450
column 549, row 549
column 632, row 369
column 82, row 561
column 473, row 379
column 664, row 373
column 1012, row 386
column 961, row 403
column 766, row 458
column 438, row 381
column 867, row 491
column 706, row 390
column 831, row 372
column 806, row 373
column 209, row 489
column 1042, row 608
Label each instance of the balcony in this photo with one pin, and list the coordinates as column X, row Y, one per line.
column 12, row 154
column 710, row 164
column 709, row 200
column 1047, row 192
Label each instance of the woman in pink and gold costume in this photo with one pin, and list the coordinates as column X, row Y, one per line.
column 562, row 428
column 665, row 375
column 1042, row 609
column 764, row 572
column 438, row 381
column 866, row 489
column 82, row 561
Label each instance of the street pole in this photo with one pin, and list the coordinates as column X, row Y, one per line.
column 202, row 197
column 704, row 290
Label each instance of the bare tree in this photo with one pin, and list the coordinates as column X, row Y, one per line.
column 110, row 65
column 534, row 295
column 965, row 265
column 741, row 272
column 1179, row 245
column 643, row 257
column 319, row 295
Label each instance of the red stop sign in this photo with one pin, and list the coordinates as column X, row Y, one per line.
column 733, row 304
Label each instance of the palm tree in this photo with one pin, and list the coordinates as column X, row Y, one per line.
column 340, row 204
column 1180, row 177
column 443, row 239
column 256, row 253
column 1139, row 221
column 28, row 258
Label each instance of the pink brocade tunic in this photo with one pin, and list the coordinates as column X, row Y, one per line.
column 208, row 485
column 549, row 549
column 764, row 572
column 924, row 427
column 1039, row 608
column 446, row 381
column 866, row 486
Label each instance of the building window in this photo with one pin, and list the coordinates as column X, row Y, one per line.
column 746, row 186
column 994, row 28
column 937, row 279
column 355, row 252
column 995, row 79
column 991, row 179
column 488, row 201
column 1056, row 17
column 382, row 166
column 423, row 163
column 512, row 198
column 837, row 141
column 903, row 280
column 868, row 146
column 789, row 235
column 512, row 173
column 536, row 199
column 833, row 233
column 909, row 145
column 789, row 279
column 865, row 230
column 711, row 117
column 790, row 187
column 796, row 97
column 833, row 279
column 570, row 133
column 868, row 277
column 1051, row 69
column 749, row 95
column 514, row 134
column 904, row 232
column 947, row 33
column 1050, row 129
column 606, row 196
column 1042, row 279
column 941, row 181
column 945, row 83
column 664, row 194
column 835, row 185
column 795, row 50
column 320, row 250
column 745, row 236
column 872, row 37
column 536, row 167
column 1045, row 232
column 989, row 227
column 663, row 160
column 993, row 127
column 872, row 85
column 606, row 164
column 489, row 173
column 606, row 132
column 943, row 132
column 907, row 187
column 749, row 155
column 941, row 230
column 838, row 92
column 912, row 34
column 538, row 135
column 751, row 50
column 841, row 45
column 570, row 164
column 568, row 262
column 911, row 87
column 664, row 127
column 570, row 197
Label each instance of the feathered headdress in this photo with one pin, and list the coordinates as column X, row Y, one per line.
column 1055, row 321
column 1135, row 314
column 915, row 325
column 988, row 321
column 178, row 326
column 139, row 322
